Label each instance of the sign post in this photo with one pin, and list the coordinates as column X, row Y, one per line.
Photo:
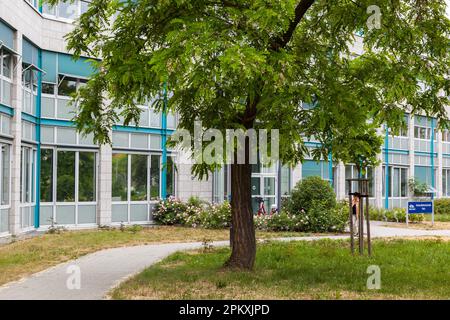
column 424, row 207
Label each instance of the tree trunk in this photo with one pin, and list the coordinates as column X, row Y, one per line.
column 242, row 231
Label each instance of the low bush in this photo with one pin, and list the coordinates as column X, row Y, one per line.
column 309, row 191
column 442, row 206
column 320, row 218
column 194, row 213
column 216, row 216
column 393, row 215
column 170, row 212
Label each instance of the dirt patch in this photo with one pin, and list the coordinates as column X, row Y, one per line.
column 425, row 225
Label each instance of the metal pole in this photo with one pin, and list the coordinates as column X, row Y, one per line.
column 352, row 240
column 279, row 186
column 407, row 217
column 361, row 225
column 432, row 213
column 369, row 244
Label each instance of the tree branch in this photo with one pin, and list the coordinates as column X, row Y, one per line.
column 300, row 11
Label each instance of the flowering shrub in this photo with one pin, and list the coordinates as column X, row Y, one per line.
column 193, row 214
column 279, row 222
column 393, row 215
column 442, row 206
column 308, row 191
column 216, row 216
column 320, row 218
column 169, row 212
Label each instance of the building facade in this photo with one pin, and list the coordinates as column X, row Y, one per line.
column 49, row 173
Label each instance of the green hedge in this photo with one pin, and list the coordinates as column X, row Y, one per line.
column 194, row 213
column 393, row 215
column 319, row 218
column 442, row 206
column 309, row 192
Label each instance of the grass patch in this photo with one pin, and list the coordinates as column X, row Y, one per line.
column 438, row 217
column 300, row 270
column 25, row 257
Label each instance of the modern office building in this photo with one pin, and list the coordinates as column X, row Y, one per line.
column 50, row 173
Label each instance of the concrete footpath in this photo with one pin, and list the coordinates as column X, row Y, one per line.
column 99, row 272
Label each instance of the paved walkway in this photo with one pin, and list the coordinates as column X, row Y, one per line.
column 101, row 271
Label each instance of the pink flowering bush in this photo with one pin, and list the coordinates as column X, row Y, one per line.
column 169, row 212
column 198, row 214
column 193, row 214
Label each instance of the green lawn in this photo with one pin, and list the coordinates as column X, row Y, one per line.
column 300, row 270
column 25, row 257
column 438, row 217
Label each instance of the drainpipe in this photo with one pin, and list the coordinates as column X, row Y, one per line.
column 330, row 168
column 432, row 157
column 38, row 140
column 163, row 145
column 279, row 186
column 386, row 171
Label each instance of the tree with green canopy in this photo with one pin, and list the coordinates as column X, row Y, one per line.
column 252, row 64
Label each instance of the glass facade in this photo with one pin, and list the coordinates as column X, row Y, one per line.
column 68, row 185
column 136, row 185
column 397, row 181
column 351, row 172
column 6, row 67
column 66, row 10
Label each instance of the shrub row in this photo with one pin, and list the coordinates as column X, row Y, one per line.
column 393, row 215
column 319, row 218
column 442, row 206
column 312, row 207
column 194, row 214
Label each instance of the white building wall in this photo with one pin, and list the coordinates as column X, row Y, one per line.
column 16, row 130
column 187, row 184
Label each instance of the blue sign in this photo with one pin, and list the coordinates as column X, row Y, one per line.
column 420, row 207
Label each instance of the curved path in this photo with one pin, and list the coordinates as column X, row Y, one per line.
column 99, row 272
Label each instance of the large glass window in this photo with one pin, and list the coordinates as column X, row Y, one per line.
column 65, row 190
column 29, row 86
column 285, row 180
column 5, row 77
column 34, row 3
column 73, row 168
column 446, row 136
column 351, row 172
column 170, row 177
column 130, row 177
column 139, row 167
column 398, row 182
column 67, row 86
column 220, row 184
column 27, row 181
column 120, row 177
column 87, row 177
column 5, row 174
column 56, row 98
column 446, row 182
column 423, row 174
column 149, row 117
column 65, row 9
column 312, row 168
column 46, row 179
column 155, row 177
column 423, row 133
